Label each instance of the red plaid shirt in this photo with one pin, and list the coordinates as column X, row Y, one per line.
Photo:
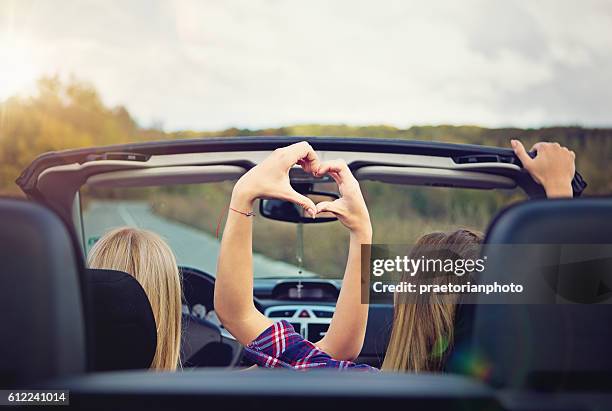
column 281, row 347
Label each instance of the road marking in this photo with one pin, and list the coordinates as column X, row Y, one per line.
column 126, row 216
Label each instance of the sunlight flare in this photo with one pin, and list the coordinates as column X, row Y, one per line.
column 18, row 72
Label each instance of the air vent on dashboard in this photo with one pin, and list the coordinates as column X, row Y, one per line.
column 323, row 314
column 281, row 314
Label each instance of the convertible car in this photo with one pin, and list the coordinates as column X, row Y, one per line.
column 55, row 336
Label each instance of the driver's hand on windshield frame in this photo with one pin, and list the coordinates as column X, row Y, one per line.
column 270, row 178
column 553, row 167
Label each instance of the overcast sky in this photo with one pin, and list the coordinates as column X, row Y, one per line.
column 209, row 65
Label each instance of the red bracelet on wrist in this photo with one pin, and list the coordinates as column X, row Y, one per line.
column 244, row 213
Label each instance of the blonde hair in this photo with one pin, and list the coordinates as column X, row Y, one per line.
column 147, row 257
column 423, row 326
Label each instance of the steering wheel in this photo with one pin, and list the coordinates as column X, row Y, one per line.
column 204, row 342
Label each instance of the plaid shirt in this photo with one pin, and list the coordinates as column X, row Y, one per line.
column 280, row 346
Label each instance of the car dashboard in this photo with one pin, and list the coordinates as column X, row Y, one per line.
column 307, row 304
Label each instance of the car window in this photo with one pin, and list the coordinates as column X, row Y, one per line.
column 187, row 216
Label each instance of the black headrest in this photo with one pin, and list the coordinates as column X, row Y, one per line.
column 563, row 221
column 41, row 310
column 548, row 345
column 124, row 330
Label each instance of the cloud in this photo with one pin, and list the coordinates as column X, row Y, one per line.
column 246, row 63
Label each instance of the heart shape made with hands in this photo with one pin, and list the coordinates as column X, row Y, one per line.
column 350, row 207
column 310, row 163
column 270, row 179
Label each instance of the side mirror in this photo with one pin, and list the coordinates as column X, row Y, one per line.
column 282, row 210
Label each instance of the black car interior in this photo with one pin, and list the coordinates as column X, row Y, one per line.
column 204, row 343
column 547, row 346
column 41, row 307
column 124, row 335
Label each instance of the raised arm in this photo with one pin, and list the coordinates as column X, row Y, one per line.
column 553, row 167
column 234, row 281
column 344, row 339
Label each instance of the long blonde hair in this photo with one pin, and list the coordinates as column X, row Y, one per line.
column 423, row 325
column 144, row 255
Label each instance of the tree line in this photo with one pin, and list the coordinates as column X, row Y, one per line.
column 71, row 114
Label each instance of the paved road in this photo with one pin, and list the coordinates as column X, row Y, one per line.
column 192, row 247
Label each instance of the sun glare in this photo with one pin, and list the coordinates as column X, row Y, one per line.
column 17, row 69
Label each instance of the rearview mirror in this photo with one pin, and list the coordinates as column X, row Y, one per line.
column 282, row 210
